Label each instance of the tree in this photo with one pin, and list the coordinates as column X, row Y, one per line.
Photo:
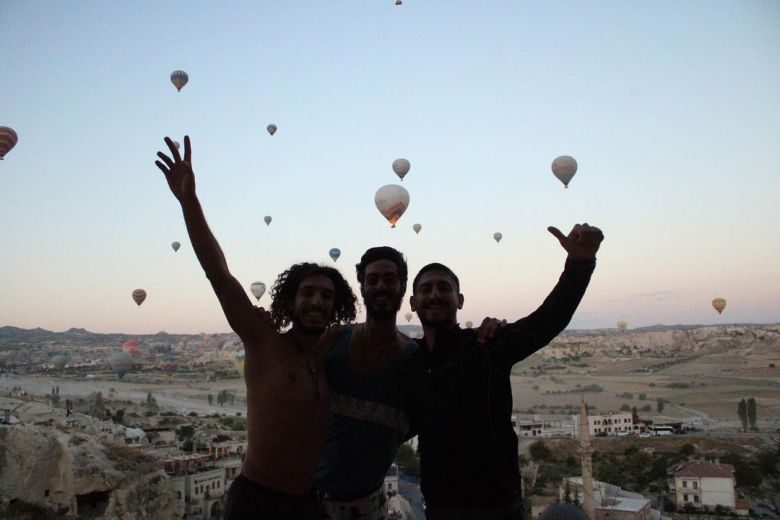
column 659, row 404
column 751, row 413
column 408, row 460
column 742, row 412
column 539, row 451
column 687, row 449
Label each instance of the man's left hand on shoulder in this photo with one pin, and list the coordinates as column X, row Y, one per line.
column 582, row 242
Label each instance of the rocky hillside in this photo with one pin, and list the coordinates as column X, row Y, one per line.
column 46, row 472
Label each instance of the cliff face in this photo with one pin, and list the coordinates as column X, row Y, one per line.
column 672, row 343
column 56, row 474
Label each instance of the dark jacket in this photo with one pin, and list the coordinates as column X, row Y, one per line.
column 460, row 401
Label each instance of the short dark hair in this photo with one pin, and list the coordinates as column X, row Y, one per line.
column 286, row 287
column 383, row 253
column 435, row 266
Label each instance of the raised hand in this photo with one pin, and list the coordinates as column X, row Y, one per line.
column 582, row 243
column 178, row 171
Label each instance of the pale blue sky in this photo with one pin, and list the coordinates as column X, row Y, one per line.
column 672, row 110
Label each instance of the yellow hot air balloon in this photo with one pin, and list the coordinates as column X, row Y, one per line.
column 179, row 78
column 719, row 304
column 8, row 140
column 622, row 325
column 391, row 201
column 238, row 362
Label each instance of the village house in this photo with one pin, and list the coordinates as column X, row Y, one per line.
column 618, row 423
column 705, row 485
column 610, row 502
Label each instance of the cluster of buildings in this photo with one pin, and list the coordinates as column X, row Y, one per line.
column 697, row 485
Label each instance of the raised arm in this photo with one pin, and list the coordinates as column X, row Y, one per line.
column 527, row 335
column 235, row 303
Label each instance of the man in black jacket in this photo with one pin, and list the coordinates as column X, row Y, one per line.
column 460, row 397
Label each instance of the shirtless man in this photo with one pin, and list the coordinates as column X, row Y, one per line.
column 287, row 399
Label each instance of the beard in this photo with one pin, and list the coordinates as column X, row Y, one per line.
column 438, row 322
column 316, row 330
column 379, row 311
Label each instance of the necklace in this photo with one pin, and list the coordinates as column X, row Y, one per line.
column 314, row 374
column 378, row 358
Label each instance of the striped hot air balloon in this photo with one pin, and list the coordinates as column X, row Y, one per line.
column 139, row 295
column 179, row 78
column 8, row 140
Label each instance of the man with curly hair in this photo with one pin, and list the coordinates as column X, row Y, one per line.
column 287, row 393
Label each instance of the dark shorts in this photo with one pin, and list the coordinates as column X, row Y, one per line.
column 247, row 500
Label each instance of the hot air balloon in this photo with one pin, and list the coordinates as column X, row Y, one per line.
column 622, row 325
column 408, row 316
column 59, row 361
column 335, row 253
column 417, row 228
column 719, row 304
column 175, row 245
column 8, row 140
column 497, row 237
column 179, row 78
column 121, row 362
column 271, row 129
column 169, row 365
column 469, row 324
column 401, row 167
column 176, row 144
column 132, row 347
column 139, row 295
column 238, row 361
column 258, row 290
column 564, row 167
column 391, row 201
column 398, row 2
column 267, row 220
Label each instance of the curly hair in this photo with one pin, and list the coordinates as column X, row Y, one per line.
column 286, row 287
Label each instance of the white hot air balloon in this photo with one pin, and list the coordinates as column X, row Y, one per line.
column 175, row 245
column 179, row 78
column 622, row 325
column 267, row 220
column 564, row 167
column 497, row 237
column 177, row 145
column 417, row 228
column 271, row 129
column 401, row 167
column 391, row 201
column 408, row 316
column 258, row 290
column 8, row 140
column 469, row 324
column 335, row 253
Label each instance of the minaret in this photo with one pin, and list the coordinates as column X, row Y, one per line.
column 587, row 463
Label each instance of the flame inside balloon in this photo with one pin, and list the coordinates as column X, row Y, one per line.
column 392, row 201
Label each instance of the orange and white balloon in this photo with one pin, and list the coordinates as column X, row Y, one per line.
column 392, row 201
